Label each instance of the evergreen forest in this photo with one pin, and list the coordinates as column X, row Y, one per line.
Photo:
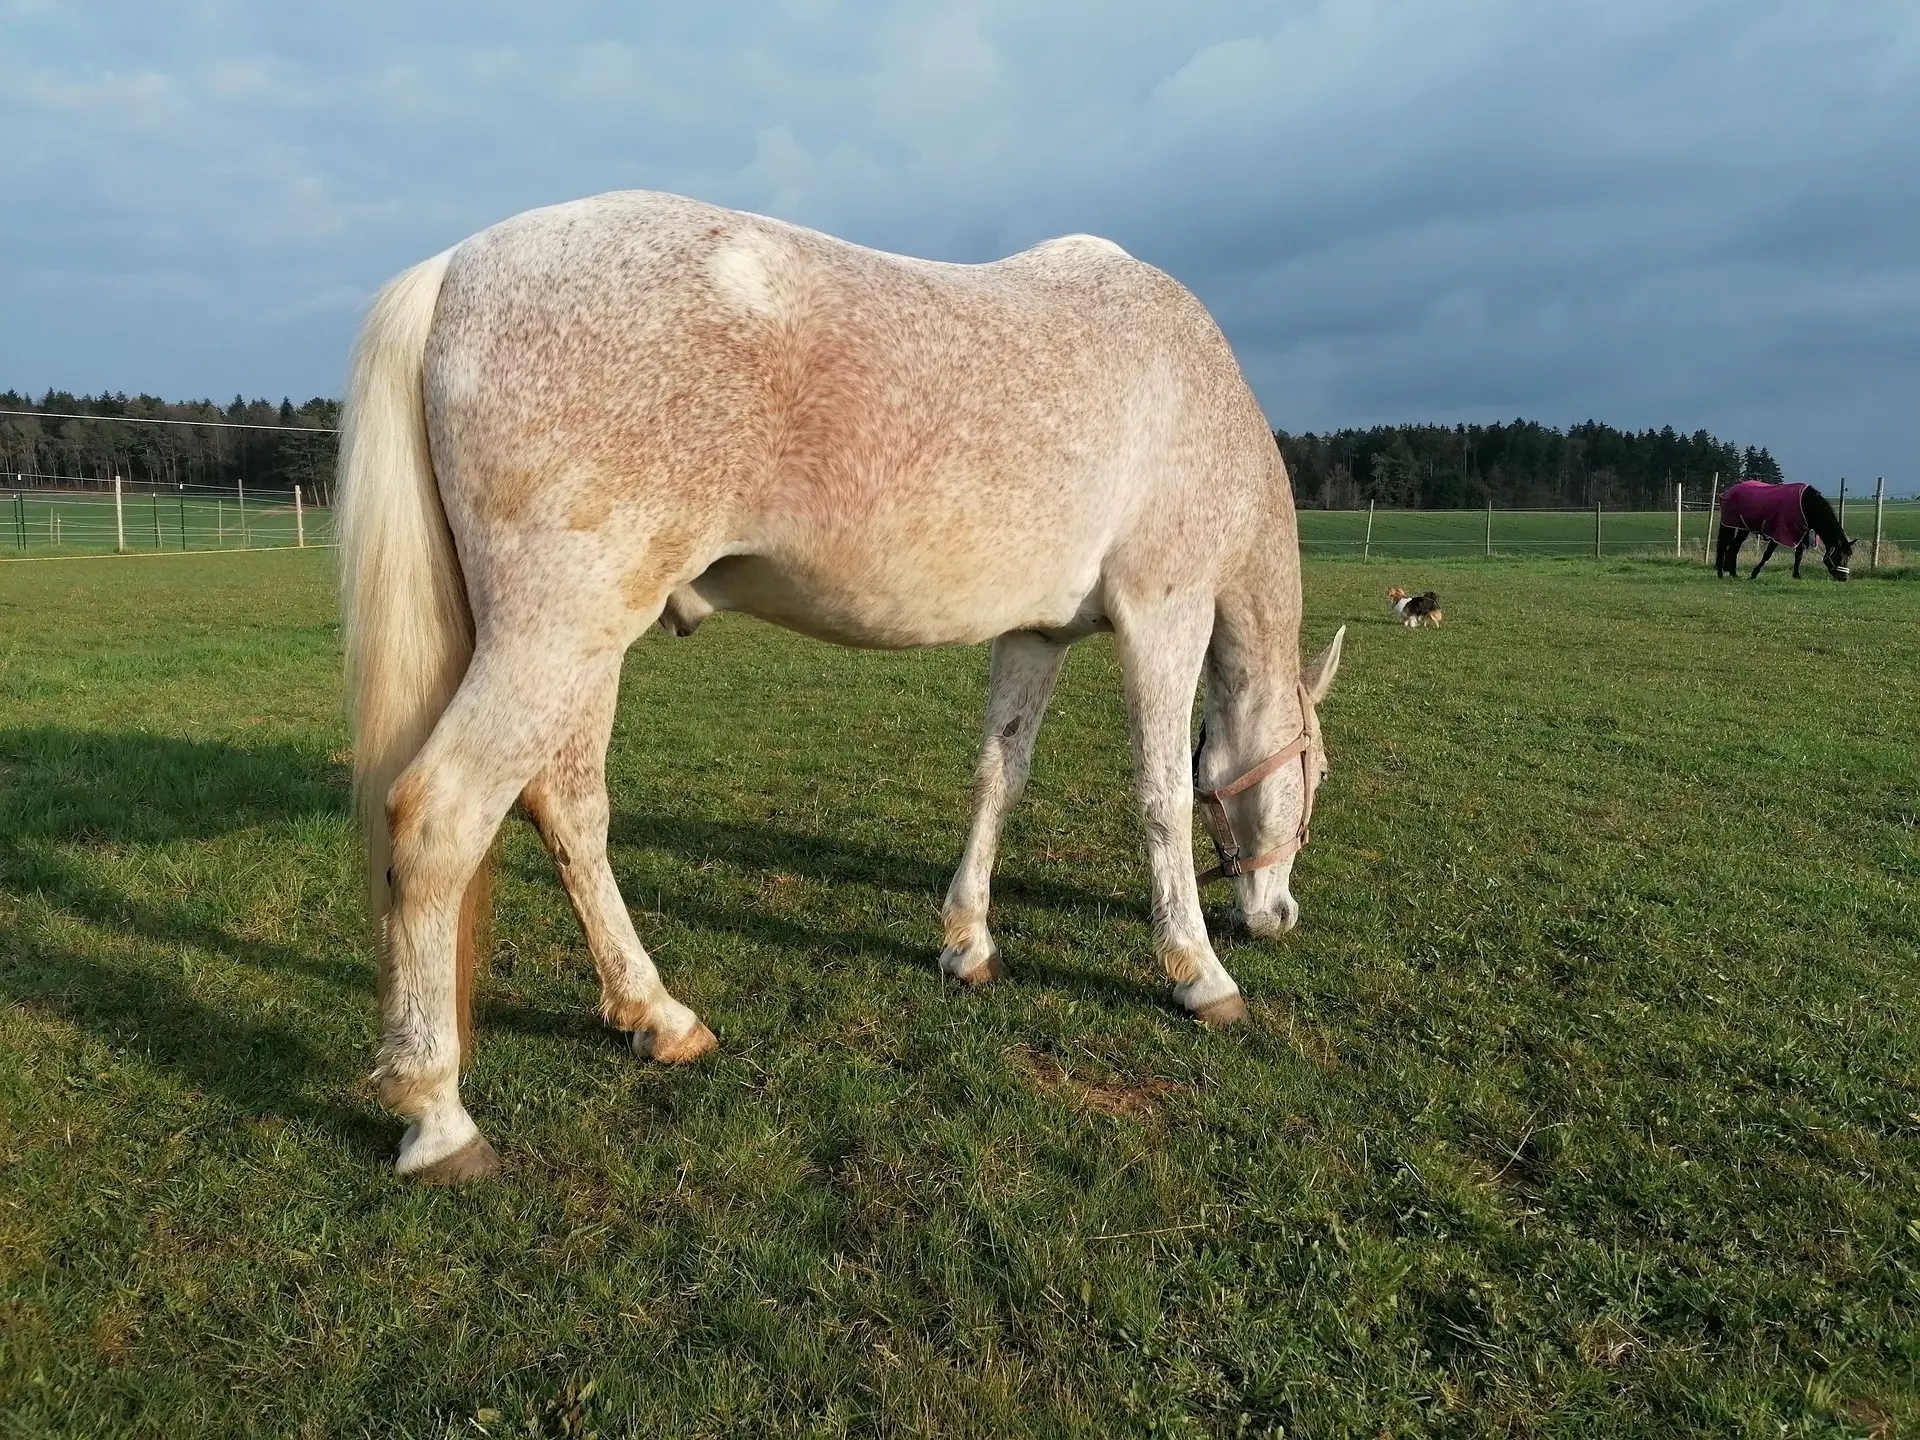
column 69, row 440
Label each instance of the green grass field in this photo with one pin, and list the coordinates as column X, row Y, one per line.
column 1414, row 534
column 1583, row 1103
column 40, row 526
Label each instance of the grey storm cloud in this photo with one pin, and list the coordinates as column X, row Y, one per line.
column 1644, row 211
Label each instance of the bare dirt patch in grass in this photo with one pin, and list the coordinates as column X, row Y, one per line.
column 1121, row 1099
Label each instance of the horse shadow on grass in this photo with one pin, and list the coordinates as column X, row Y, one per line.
column 133, row 788
column 63, row 792
column 694, row 840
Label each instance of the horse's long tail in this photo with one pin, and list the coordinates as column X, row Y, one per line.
column 407, row 628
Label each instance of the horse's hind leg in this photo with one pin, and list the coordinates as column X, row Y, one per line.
column 443, row 812
column 1020, row 680
column 1162, row 647
column 568, row 803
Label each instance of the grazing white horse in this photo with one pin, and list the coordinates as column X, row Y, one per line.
column 640, row 408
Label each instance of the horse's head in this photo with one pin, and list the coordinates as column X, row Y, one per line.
column 1268, row 817
column 1839, row 559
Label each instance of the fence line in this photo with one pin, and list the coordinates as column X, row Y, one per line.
column 178, row 518
column 42, row 480
column 186, row 518
column 1685, row 529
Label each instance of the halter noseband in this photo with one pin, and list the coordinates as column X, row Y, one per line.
column 1225, row 843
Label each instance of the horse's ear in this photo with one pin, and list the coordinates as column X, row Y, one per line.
column 1318, row 677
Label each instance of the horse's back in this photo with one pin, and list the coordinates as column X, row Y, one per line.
column 1763, row 507
column 639, row 361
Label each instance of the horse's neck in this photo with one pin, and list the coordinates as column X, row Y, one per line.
column 1253, row 662
column 1824, row 523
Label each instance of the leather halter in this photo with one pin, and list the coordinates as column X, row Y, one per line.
column 1225, row 843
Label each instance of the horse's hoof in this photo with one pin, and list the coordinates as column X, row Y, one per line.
column 1227, row 1010
column 679, row 1049
column 475, row 1160
column 991, row 968
column 971, row 957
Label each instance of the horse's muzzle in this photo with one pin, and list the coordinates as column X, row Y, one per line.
column 1267, row 924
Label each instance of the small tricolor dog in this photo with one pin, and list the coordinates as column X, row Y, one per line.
column 1412, row 609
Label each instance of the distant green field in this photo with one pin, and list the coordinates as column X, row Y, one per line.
column 43, row 525
column 1583, row 1104
column 68, row 525
column 1437, row 533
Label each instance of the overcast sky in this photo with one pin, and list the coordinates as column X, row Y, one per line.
column 1638, row 211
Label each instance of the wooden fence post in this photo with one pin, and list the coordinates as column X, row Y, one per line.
column 1489, row 528
column 1879, row 516
column 1366, row 547
column 1596, row 529
column 1713, row 511
column 119, row 520
column 1679, row 516
column 299, row 520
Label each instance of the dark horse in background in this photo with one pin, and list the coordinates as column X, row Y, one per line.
column 1787, row 515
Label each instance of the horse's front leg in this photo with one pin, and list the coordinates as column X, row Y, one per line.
column 1020, row 680
column 1798, row 551
column 1766, row 555
column 1162, row 646
column 568, row 803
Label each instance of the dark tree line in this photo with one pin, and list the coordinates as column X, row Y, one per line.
column 1415, row 466
column 62, row 446
column 1522, row 464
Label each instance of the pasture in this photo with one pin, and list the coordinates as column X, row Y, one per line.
column 46, row 523
column 1413, row 534
column 1583, row 1102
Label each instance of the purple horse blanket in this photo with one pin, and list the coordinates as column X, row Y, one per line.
column 1775, row 511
